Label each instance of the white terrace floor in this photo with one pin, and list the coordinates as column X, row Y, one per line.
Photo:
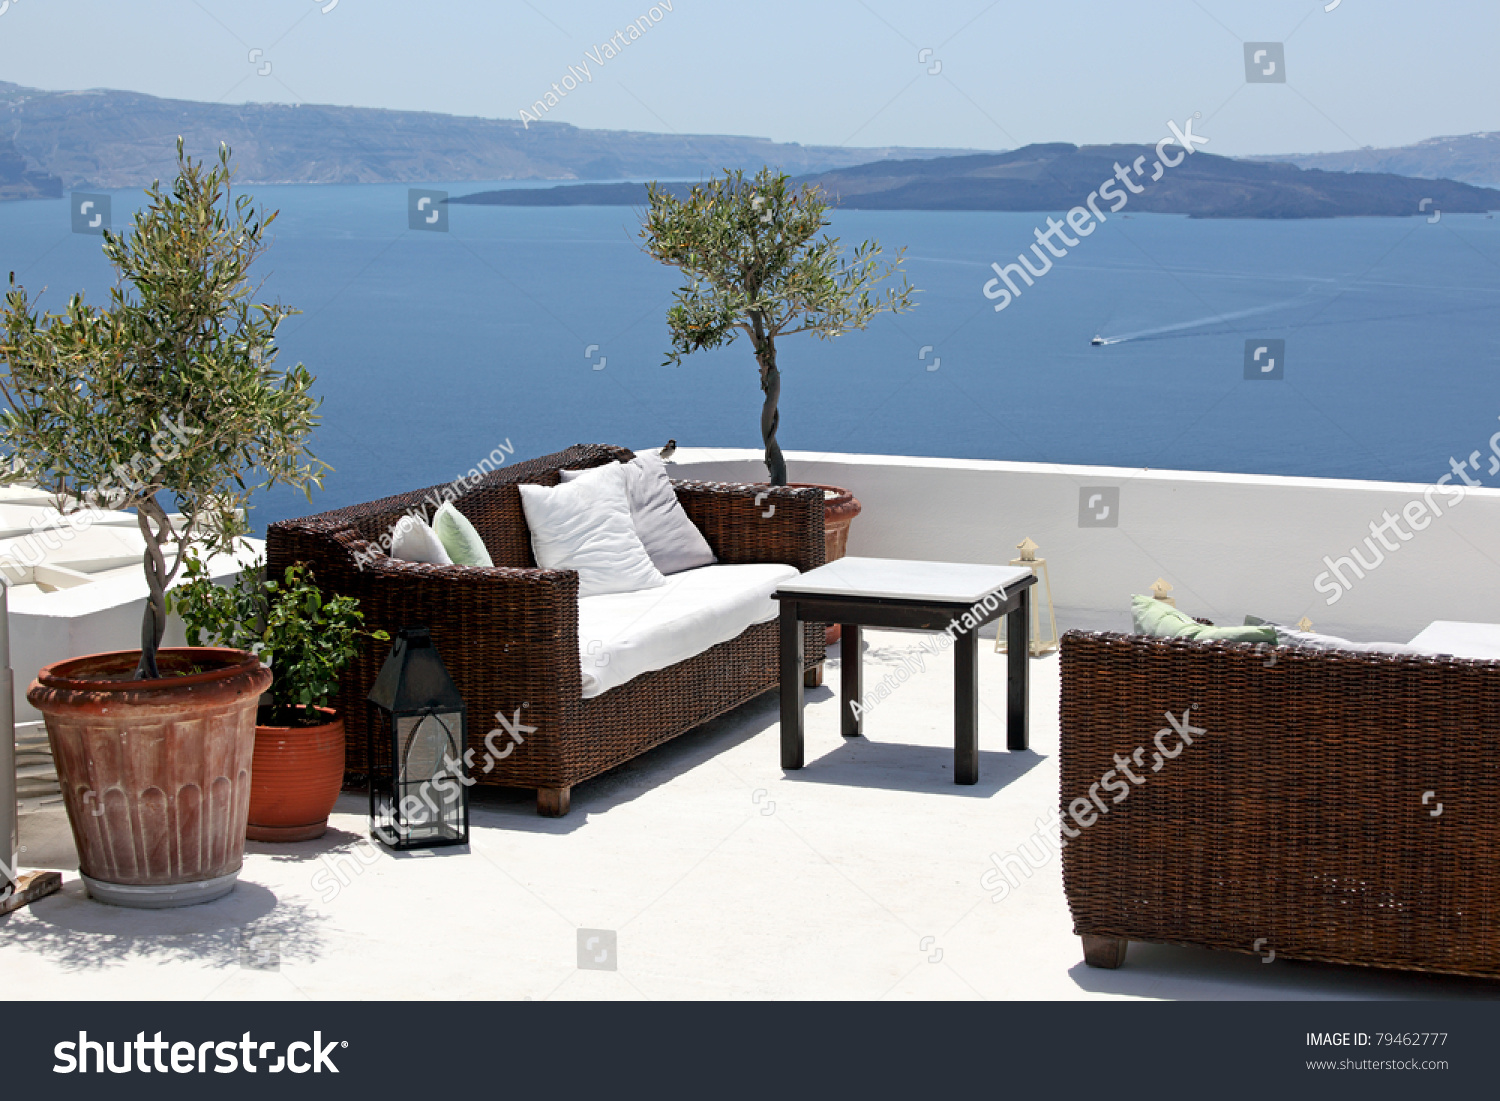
column 719, row 876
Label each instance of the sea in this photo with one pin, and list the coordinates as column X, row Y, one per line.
column 1348, row 348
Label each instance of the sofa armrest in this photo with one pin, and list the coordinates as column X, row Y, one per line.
column 757, row 523
column 508, row 636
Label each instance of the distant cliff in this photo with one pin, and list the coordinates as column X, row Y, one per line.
column 1468, row 158
column 1059, row 176
column 17, row 181
column 124, row 139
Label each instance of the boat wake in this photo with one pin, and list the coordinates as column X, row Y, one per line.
column 1198, row 323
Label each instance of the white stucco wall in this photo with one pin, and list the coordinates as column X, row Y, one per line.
column 1230, row 544
column 93, row 618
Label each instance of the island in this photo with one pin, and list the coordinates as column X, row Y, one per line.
column 1059, row 176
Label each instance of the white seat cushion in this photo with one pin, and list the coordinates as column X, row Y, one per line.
column 622, row 635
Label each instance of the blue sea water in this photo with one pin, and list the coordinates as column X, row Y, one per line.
column 544, row 327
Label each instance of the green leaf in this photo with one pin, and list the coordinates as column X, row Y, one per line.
column 167, row 389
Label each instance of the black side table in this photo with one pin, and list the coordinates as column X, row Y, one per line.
column 927, row 596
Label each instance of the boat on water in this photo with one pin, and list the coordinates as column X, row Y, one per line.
column 1097, row 341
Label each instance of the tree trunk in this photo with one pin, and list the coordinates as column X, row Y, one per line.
column 770, row 416
column 154, row 619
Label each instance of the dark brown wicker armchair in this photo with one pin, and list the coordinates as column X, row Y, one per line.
column 509, row 634
column 1331, row 805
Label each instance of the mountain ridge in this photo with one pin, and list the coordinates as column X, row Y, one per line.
column 1467, row 158
column 109, row 139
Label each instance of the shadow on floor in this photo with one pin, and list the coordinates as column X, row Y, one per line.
column 515, row 809
column 1178, row 973
column 338, row 841
column 246, row 928
column 859, row 762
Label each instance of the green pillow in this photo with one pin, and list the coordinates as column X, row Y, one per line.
column 459, row 537
column 1152, row 617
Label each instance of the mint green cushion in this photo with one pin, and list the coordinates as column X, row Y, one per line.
column 1152, row 617
column 459, row 537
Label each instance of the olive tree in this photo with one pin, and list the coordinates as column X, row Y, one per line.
column 756, row 266
column 170, row 390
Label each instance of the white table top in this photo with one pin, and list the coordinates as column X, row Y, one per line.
column 905, row 579
column 1462, row 640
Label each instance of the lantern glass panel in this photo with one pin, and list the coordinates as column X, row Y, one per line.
column 428, row 742
column 430, row 796
column 422, row 799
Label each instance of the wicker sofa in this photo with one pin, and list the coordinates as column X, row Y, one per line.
column 1333, row 806
column 509, row 634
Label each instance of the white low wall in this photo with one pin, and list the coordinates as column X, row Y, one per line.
column 94, row 618
column 1230, row 544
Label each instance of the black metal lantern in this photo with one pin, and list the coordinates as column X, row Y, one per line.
column 419, row 795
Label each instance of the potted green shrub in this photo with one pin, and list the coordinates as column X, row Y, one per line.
column 757, row 267
column 166, row 397
column 308, row 641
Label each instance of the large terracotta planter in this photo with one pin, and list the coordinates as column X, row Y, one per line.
column 840, row 507
column 155, row 774
column 299, row 771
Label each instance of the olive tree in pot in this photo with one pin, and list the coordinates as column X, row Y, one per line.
column 308, row 641
column 168, row 392
column 757, row 267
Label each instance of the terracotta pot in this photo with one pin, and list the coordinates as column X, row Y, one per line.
column 840, row 507
column 155, row 774
column 299, row 771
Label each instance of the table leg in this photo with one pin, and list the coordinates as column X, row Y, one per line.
column 791, row 686
column 1018, row 671
column 966, row 707
column 852, row 679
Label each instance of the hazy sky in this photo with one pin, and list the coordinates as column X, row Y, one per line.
column 836, row 72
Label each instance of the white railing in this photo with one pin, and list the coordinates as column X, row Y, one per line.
column 1230, row 544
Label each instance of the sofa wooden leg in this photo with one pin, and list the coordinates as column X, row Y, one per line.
column 813, row 678
column 553, row 802
column 1104, row 951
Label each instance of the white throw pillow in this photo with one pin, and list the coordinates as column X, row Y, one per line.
column 459, row 537
column 413, row 541
column 1286, row 636
column 671, row 539
column 1308, row 640
column 584, row 525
